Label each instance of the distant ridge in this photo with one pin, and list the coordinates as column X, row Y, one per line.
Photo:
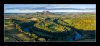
column 59, row 13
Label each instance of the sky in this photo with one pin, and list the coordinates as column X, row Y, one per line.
column 30, row 8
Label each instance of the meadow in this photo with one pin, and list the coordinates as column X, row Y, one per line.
column 49, row 27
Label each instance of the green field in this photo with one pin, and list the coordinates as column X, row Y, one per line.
column 51, row 27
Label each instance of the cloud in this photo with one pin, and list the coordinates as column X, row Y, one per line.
column 32, row 11
column 29, row 8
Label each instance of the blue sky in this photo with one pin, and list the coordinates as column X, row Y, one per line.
column 30, row 8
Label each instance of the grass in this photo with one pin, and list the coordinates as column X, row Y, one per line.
column 23, row 37
column 83, row 22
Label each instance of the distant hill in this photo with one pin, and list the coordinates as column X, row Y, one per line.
column 59, row 13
